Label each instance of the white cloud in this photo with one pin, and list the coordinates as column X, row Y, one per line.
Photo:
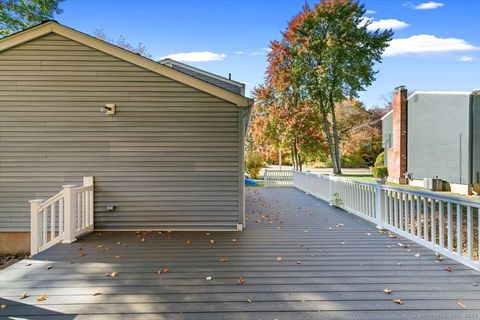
column 425, row 5
column 425, row 43
column 196, row 56
column 239, row 52
column 465, row 58
column 260, row 52
column 370, row 12
column 386, row 24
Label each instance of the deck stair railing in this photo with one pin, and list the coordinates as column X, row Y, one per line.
column 62, row 218
column 272, row 178
column 449, row 225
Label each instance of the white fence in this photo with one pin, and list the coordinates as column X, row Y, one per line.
column 63, row 217
column 449, row 225
column 277, row 178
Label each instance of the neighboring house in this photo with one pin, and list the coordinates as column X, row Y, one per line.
column 434, row 133
column 170, row 158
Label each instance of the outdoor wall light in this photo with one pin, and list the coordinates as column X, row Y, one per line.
column 109, row 109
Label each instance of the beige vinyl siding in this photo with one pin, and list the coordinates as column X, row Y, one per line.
column 167, row 160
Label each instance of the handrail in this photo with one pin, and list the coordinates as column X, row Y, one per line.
column 50, row 201
column 63, row 217
column 440, row 222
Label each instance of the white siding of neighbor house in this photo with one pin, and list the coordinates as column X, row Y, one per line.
column 438, row 136
column 169, row 158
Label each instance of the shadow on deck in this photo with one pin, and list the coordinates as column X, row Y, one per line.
column 299, row 259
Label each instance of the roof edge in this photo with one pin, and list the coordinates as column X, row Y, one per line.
column 54, row 27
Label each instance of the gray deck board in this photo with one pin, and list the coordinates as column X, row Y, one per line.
column 333, row 266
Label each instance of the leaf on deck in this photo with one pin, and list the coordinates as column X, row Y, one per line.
column 461, row 305
column 43, row 297
column 398, row 301
column 241, row 281
column 24, row 296
column 387, row 290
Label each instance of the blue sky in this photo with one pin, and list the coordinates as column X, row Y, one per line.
column 436, row 43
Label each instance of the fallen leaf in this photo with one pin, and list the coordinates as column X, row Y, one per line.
column 398, row 301
column 3, row 306
column 208, row 278
column 241, row 281
column 43, row 297
column 461, row 305
column 111, row 274
column 249, row 301
column 342, row 243
column 401, row 244
column 28, row 264
column 223, row 260
column 24, row 295
column 82, row 254
column 49, row 267
column 388, row 291
column 299, row 262
column 165, row 270
column 279, row 258
column 96, row 293
column 212, row 241
column 417, row 255
column 368, row 234
column 188, row 242
column 234, row 240
column 449, row 269
column 100, row 246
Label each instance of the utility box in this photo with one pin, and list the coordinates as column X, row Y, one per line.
column 434, row 184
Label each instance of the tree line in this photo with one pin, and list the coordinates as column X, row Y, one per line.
column 307, row 104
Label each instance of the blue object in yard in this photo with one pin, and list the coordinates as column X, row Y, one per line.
column 250, row 182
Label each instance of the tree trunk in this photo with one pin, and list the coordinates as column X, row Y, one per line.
column 336, row 140
column 294, row 158
column 326, row 129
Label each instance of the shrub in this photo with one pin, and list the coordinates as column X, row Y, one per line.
column 380, row 161
column 379, row 172
column 253, row 164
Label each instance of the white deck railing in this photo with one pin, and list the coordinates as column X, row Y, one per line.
column 63, row 217
column 277, row 178
column 449, row 225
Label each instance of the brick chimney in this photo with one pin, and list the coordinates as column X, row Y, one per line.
column 397, row 154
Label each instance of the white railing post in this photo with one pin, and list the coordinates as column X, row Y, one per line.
column 34, row 226
column 330, row 189
column 88, row 181
column 379, row 204
column 265, row 178
column 70, row 218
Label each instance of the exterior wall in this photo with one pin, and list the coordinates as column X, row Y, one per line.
column 167, row 160
column 14, row 243
column 438, row 137
column 387, row 134
column 476, row 142
column 396, row 154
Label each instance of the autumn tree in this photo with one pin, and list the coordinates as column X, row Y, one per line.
column 333, row 59
column 16, row 15
column 121, row 42
column 360, row 132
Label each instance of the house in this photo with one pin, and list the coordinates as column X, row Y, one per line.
column 434, row 134
column 163, row 141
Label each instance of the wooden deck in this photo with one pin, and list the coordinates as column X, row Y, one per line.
column 299, row 259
